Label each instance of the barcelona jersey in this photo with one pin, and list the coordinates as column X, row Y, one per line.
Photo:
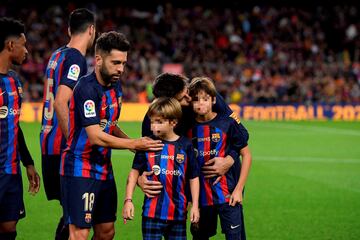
column 65, row 67
column 173, row 166
column 90, row 104
column 216, row 138
column 10, row 105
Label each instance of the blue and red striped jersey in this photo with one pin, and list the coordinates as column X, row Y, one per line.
column 90, row 104
column 65, row 67
column 216, row 138
column 10, row 105
column 173, row 167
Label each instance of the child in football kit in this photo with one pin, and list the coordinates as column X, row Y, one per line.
column 214, row 135
column 175, row 167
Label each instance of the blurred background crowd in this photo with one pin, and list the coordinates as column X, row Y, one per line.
column 254, row 54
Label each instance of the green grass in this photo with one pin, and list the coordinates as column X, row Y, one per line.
column 304, row 184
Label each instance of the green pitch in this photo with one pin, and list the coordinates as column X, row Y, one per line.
column 304, row 184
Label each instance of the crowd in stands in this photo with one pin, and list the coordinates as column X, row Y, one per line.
column 257, row 54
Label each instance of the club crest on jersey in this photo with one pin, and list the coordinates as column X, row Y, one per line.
column 180, row 158
column 3, row 112
column 156, row 169
column 89, row 109
column 88, row 217
column 215, row 137
column 74, row 72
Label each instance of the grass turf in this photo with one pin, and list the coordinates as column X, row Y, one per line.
column 304, row 184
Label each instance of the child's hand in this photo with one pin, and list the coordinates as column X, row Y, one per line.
column 236, row 197
column 194, row 214
column 128, row 211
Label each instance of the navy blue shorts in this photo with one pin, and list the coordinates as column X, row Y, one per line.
column 155, row 229
column 51, row 178
column 11, row 197
column 87, row 202
column 231, row 220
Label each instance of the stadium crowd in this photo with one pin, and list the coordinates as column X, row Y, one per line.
column 258, row 54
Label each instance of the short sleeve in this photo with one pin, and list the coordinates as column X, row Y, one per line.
column 74, row 67
column 87, row 105
column 139, row 162
column 239, row 136
column 193, row 169
column 221, row 107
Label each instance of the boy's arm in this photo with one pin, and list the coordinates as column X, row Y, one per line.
column 195, row 191
column 236, row 196
column 128, row 210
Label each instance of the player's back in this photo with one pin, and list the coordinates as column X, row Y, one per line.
column 66, row 65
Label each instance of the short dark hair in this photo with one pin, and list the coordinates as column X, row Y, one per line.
column 112, row 40
column 9, row 28
column 80, row 19
column 169, row 85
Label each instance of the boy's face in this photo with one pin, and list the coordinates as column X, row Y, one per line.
column 202, row 103
column 161, row 127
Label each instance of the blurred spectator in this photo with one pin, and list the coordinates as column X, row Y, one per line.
column 254, row 54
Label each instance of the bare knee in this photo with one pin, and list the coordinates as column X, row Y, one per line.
column 104, row 232
column 77, row 233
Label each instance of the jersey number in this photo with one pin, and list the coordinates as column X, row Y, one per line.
column 89, row 199
column 49, row 110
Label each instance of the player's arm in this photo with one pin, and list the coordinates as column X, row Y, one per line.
column 61, row 106
column 236, row 196
column 193, row 174
column 28, row 162
column 98, row 137
column 195, row 191
column 128, row 209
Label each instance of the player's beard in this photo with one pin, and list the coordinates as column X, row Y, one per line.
column 106, row 76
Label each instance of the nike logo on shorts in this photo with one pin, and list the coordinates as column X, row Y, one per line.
column 233, row 227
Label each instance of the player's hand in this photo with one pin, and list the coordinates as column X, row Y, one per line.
column 128, row 211
column 34, row 180
column 217, row 166
column 194, row 214
column 236, row 197
column 150, row 188
column 148, row 144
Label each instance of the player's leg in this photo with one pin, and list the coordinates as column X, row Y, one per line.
column 51, row 179
column 231, row 219
column 207, row 225
column 153, row 229
column 77, row 233
column 176, row 230
column 11, row 205
column 78, row 196
column 104, row 231
column 105, row 211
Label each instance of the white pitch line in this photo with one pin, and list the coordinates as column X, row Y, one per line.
column 328, row 130
column 306, row 159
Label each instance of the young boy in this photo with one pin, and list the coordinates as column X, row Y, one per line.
column 214, row 135
column 175, row 166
